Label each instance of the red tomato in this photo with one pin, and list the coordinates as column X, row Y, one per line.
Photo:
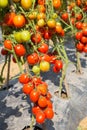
column 42, row 89
column 52, row 59
column 84, row 31
column 49, row 104
column 84, row 39
column 79, row 46
column 49, row 113
column 40, row 117
column 24, row 78
column 48, row 96
column 36, row 80
column 78, row 16
column 19, row 20
column 45, row 57
column 47, row 34
column 85, row 48
column 78, row 35
column 58, row 64
column 43, row 48
column 42, row 102
column 64, row 16
column 33, row 58
column 78, row 25
column 56, row 3
column 72, row 20
column 20, row 50
column 8, row 44
column 41, row 2
column 55, row 70
column 58, row 28
column 27, row 88
column 36, row 38
column 34, row 96
column 4, row 52
column 8, row 18
column 35, row 109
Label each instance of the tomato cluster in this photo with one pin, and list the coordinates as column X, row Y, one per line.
column 37, row 90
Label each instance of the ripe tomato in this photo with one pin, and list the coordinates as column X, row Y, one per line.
column 58, row 28
column 36, row 69
column 56, row 3
column 48, row 96
column 55, row 70
column 64, row 16
column 72, row 19
column 25, row 35
column 19, row 20
column 34, row 95
column 42, row 89
column 78, row 25
column 24, row 78
column 45, row 57
column 8, row 18
column 8, row 44
column 36, row 38
column 20, row 50
column 52, row 59
column 58, row 64
column 78, row 35
column 27, row 88
column 49, row 104
column 17, row 36
column 42, row 102
column 41, row 8
column 36, row 80
column 4, row 52
column 35, row 109
column 84, row 31
column 43, row 48
column 84, row 25
column 49, row 113
column 85, row 48
column 3, row 3
column 26, row 4
column 79, row 16
column 79, row 46
column 84, row 39
column 33, row 58
column 40, row 117
column 41, row 2
column 51, row 23
column 44, row 66
column 47, row 34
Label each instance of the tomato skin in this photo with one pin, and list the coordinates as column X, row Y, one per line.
column 17, row 36
column 36, row 69
column 4, row 52
column 55, row 70
column 79, row 16
column 43, row 48
column 25, row 35
column 56, row 4
column 80, row 46
column 45, row 57
column 44, row 66
column 35, row 109
column 16, row 1
column 42, row 88
column 49, row 113
column 41, row 8
column 42, row 102
column 27, row 88
column 72, row 19
column 3, row 3
column 20, row 50
column 58, row 28
column 85, row 48
column 84, row 31
column 24, row 79
column 58, row 64
column 34, row 96
column 19, row 21
column 84, row 40
column 36, row 80
column 78, row 35
column 41, row 22
column 40, row 117
column 51, row 23
column 78, row 25
column 33, row 58
column 36, row 38
column 26, row 4
column 41, row 2
column 8, row 44
column 41, row 16
column 47, row 34
column 64, row 16
column 8, row 18
column 49, row 104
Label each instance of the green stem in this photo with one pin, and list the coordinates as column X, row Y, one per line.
column 4, row 65
column 78, row 65
column 32, row 122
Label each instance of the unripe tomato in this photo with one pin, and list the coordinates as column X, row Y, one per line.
column 41, row 22
column 17, row 36
column 36, row 69
column 3, row 3
column 44, row 66
column 25, row 36
column 26, row 4
column 51, row 23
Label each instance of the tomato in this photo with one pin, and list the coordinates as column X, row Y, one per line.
column 36, row 69
column 49, row 113
column 84, row 39
column 78, row 35
column 3, row 3
column 8, row 18
column 48, row 96
column 8, row 44
column 33, row 15
column 85, row 48
column 41, row 8
column 41, row 2
column 47, row 34
column 42, row 102
column 36, row 80
column 79, row 16
column 16, row 1
column 36, row 38
column 84, row 25
column 42, row 88
column 49, row 104
column 26, row 4
column 79, row 46
column 51, row 23
column 43, row 48
column 52, row 59
column 58, row 28
column 34, row 96
column 41, row 22
column 54, row 15
column 72, row 19
column 17, row 36
column 20, row 50
column 78, row 25
column 78, row 2
column 33, row 58
column 25, row 35
column 56, row 3
column 19, row 20
column 4, row 52
column 55, row 69
column 24, row 78
column 45, row 57
column 44, row 66
column 41, row 16
column 27, row 88
column 84, row 31
column 35, row 109
column 58, row 64
column 64, row 16
column 40, row 117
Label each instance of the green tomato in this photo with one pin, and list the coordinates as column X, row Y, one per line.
column 36, row 69
column 17, row 37
column 41, row 22
column 44, row 66
column 25, row 36
column 3, row 3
